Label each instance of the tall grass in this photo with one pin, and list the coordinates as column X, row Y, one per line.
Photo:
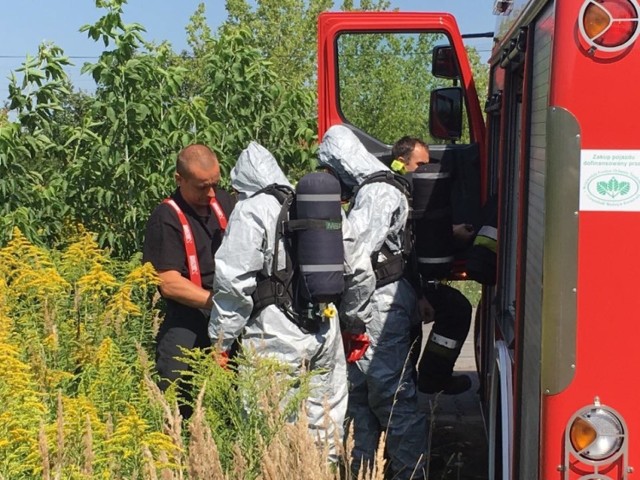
column 80, row 399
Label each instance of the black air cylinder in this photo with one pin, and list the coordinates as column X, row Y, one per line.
column 320, row 252
column 432, row 221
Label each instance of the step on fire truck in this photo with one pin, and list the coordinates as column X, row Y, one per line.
column 555, row 141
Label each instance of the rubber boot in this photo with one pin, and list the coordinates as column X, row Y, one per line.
column 436, row 367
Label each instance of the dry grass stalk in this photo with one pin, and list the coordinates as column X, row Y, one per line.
column 157, row 317
column 167, row 473
column 277, row 458
column 349, row 444
column 294, row 450
column 433, row 406
column 269, row 463
column 379, row 464
column 373, row 471
column 240, row 467
column 49, row 322
column 172, row 416
column 331, row 434
column 89, row 455
column 204, row 459
column 59, row 438
column 113, row 461
column 44, row 453
column 149, row 471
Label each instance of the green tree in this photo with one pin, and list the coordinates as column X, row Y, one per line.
column 285, row 31
column 385, row 81
column 106, row 160
column 32, row 185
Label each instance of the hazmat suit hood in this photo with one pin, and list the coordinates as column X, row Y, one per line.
column 256, row 169
column 343, row 152
column 376, row 222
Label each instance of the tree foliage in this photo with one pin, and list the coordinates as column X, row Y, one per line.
column 285, row 31
column 104, row 159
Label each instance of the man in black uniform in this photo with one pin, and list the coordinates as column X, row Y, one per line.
column 181, row 239
column 452, row 311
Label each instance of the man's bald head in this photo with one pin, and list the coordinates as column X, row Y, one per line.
column 196, row 156
column 197, row 176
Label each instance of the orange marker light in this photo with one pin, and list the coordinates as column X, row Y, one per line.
column 582, row 434
column 609, row 25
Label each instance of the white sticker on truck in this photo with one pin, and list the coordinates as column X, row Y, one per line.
column 610, row 180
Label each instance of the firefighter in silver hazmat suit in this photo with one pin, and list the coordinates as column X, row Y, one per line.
column 382, row 391
column 246, row 251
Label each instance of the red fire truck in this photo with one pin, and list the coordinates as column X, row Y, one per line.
column 556, row 336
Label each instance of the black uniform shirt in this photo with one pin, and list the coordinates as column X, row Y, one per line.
column 164, row 248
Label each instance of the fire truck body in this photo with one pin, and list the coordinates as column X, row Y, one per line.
column 560, row 144
column 556, row 336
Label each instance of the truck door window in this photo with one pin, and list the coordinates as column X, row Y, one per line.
column 385, row 81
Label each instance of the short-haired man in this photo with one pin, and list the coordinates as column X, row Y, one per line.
column 181, row 239
column 452, row 317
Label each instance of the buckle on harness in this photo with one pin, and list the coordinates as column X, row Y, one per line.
column 431, row 284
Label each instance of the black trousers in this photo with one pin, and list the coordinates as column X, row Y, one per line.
column 171, row 339
column 452, row 316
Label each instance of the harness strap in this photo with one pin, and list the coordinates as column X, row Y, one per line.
column 390, row 270
column 394, row 266
column 187, row 235
column 219, row 213
column 189, row 244
column 313, row 224
column 276, row 289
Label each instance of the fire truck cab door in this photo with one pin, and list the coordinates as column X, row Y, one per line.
column 376, row 76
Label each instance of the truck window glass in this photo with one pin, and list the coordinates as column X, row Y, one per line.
column 385, row 80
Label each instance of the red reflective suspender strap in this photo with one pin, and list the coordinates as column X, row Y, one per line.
column 189, row 244
column 219, row 213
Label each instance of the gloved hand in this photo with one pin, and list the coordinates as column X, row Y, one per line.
column 355, row 345
column 221, row 358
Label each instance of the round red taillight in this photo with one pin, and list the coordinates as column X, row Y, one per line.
column 609, row 25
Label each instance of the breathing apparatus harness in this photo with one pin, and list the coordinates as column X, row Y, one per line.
column 393, row 267
column 427, row 252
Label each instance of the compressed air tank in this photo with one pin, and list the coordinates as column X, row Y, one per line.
column 433, row 232
column 318, row 238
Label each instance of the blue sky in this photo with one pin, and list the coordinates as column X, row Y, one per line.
column 24, row 24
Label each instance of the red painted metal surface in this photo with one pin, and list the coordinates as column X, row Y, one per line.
column 331, row 24
column 602, row 95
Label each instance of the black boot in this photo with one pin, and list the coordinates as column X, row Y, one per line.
column 436, row 367
column 454, row 385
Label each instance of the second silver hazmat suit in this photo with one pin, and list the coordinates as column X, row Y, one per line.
column 382, row 391
column 245, row 254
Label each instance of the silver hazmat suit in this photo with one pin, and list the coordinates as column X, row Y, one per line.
column 382, row 391
column 247, row 250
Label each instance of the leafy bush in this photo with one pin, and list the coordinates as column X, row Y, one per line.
column 78, row 394
column 105, row 160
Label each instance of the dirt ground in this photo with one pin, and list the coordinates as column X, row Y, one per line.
column 458, row 435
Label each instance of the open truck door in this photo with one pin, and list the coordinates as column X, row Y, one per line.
column 385, row 75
